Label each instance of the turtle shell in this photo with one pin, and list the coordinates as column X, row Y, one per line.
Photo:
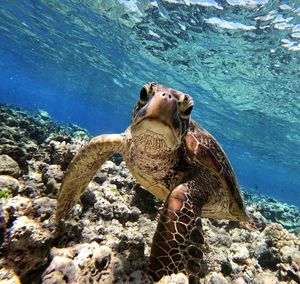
column 225, row 202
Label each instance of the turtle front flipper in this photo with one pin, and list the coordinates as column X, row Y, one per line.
column 82, row 169
column 178, row 239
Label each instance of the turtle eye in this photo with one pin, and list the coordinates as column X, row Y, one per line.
column 143, row 94
column 188, row 111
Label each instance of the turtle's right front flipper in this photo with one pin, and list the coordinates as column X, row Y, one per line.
column 178, row 240
column 82, row 169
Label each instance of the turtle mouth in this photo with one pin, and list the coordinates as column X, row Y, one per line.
column 159, row 118
column 157, row 129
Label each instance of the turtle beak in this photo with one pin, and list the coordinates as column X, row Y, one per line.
column 162, row 107
column 160, row 115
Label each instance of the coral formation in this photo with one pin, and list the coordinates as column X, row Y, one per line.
column 273, row 211
column 108, row 236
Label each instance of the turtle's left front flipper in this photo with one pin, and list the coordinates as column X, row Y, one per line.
column 82, row 169
column 177, row 242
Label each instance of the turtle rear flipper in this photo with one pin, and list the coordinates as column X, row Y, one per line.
column 82, row 169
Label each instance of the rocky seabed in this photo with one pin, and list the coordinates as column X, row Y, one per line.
column 108, row 236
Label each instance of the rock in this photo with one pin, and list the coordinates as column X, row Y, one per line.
column 18, row 206
column 35, row 178
column 100, row 177
column 216, row 278
column 29, row 190
column 88, row 198
column 123, row 213
column 27, row 245
column 118, row 181
column 296, row 258
column 279, row 237
column 4, row 219
column 52, row 172
column 103, row 208
column 130, row 239
column 269, row 259
column 226, row 268
column 117, row 159
column 221, row 237
column 83, row 263
column 31, row 147
column 60, row 154
column 257, row 219
column 279, row 246
column 265, row 278
column 109, row 167
column 239, row 280
column 290, row 253
column 9, row 186
column 52, row 187
column 240, row 253
column 8, row 166
column 43, row 114
column 173, row 279
column 137, row 277
column 82, row 135
column 61, row 270
column 27, row 233
column 44, row 207
column 288, row 272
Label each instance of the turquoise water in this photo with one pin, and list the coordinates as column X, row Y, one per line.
column 84, row 62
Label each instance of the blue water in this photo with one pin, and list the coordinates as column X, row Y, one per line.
column 84, row 62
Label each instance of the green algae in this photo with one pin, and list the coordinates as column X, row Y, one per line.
column 5, row 193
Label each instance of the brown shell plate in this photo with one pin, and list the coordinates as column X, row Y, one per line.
column 227, row 202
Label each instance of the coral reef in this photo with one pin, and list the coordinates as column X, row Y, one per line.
column 108, row 236
column 274, row 211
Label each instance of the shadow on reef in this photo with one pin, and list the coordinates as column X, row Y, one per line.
column 146, row 202
column 108, row 236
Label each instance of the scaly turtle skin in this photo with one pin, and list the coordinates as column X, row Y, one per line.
column 178, row 161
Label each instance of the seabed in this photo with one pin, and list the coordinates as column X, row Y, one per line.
column 108, row 236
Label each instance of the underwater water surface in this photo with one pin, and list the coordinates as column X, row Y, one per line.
column 84, row 62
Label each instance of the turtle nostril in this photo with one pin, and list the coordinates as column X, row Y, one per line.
column 166, row 95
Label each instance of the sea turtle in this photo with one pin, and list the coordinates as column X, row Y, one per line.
column 176, row 160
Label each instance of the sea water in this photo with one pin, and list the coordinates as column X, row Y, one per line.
column 84, row 62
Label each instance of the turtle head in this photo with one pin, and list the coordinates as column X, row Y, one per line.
column 162, row 112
